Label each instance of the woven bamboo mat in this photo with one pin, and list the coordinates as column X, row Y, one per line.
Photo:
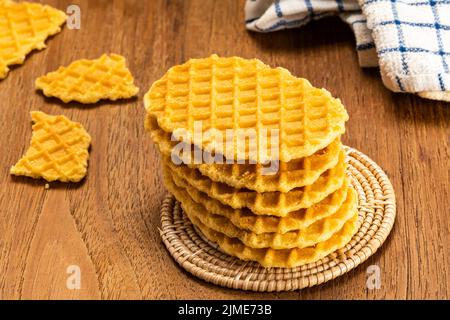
column 203, row 259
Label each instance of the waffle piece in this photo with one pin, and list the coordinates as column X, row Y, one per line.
column 247, row 220
column 267, row 203
column 240, row 94
column 89, row 81
column 281, row 258
column 58, row 150
column 290, row 175
column 318, row 231
column 24, row 27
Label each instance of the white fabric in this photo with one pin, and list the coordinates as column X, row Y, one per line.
column 408, row 39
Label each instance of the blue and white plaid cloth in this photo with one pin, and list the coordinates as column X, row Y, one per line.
column 408, row 39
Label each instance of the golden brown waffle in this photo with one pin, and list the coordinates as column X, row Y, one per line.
column 89, row 81
column 284, row 258
column 58, row 150
column 24, row 27
column 317, row 232
column 290, row 175
column 247, row 220
column 235, row 93
column 268, row 203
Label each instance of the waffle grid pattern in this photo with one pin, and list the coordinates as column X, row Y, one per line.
column 319, row 231
column 214, row 97
column 89, row 81
column 267, row 203
column 238, row 94
column 247, row 220
column 202, row 258
column 58, row 150
column 24, row 27
column 293, row 174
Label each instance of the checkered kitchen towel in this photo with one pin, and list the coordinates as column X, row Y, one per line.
column 408, row 39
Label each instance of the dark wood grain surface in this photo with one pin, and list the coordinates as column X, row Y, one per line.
column 108, row 224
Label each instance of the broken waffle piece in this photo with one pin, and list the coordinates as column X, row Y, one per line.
column 58, row 150
column 89, row 81
column 24, row 27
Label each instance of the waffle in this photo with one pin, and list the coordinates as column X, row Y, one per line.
column 89, row 81
column 282, row 258
column 24, row 27
column 290, row 175
column 58, row 150
column 245, row 219
column 240, row 94
column 318, row 231
column 267, row 203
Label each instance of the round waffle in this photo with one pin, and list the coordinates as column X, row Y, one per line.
column 317, row 232
column 219, row 94
column 266, row 203
column 247, row 220
column 289, row 175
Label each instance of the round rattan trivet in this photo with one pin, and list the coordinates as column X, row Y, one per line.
column 204, row 260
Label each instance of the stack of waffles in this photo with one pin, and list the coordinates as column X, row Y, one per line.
column 254, row 156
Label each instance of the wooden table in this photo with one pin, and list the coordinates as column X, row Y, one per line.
column 108, row 225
